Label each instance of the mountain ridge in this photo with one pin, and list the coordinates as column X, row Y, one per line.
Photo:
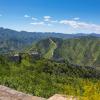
column 82, row 51
column 11, row 40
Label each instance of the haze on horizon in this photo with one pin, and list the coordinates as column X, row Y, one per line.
column 63, row 16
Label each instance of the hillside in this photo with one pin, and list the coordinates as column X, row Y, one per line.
column 82, row 51
column 45, row 77
column 11, row 40
column 45, row 64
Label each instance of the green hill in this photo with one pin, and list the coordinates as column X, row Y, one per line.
column 83, row 51
column 11, row 40
column 45, row 77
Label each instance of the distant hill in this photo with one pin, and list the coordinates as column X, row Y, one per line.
column 11, row 40
column 83, row 51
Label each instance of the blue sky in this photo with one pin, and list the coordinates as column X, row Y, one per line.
column 66, row 16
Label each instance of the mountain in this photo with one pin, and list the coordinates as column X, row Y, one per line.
column 83, row 51
column 50, row 63
column 11, row 40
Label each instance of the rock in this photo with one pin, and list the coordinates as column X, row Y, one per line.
column 62, row 97
column 10, row 94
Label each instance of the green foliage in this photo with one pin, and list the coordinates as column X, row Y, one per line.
column 45, row 77
column 83, row 51
column 11, row 40
column 52, row 47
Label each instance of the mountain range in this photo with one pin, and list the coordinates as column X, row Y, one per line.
column 81, row 49
column 11, row 40
column 44, row 64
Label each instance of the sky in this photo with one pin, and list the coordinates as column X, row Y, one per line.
column 63, row 16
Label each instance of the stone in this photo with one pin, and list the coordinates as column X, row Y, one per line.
column 10, row 94
column 62, row 97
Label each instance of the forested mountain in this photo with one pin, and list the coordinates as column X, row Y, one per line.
column 11, row 40
column 50, row 63
column 82, row 51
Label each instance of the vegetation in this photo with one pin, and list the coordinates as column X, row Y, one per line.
column 83, row 51
column 11, row 40
column 44, row 78
column 61, row 67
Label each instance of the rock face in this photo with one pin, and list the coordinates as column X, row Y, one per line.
column 10, row 94
column 62, row 97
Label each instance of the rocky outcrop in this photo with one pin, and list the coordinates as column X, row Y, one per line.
column 10, row 94
column 62, row 97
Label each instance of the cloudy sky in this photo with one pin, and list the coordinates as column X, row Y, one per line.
column 66, row 16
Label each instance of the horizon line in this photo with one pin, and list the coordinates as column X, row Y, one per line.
column 46, row 31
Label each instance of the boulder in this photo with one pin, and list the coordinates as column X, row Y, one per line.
column 10, row 94
column 62, row 97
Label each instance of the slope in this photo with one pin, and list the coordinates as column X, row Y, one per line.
column 83, row 51
column 11, row 40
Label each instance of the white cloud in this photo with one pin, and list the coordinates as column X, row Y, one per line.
column 76, row 18
column 33, row 18
column 47, row 18
column 72, row 23
column 49, row 24
column 26, row 16
column 54, row 21
column 38, row 23
column 81, row 25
